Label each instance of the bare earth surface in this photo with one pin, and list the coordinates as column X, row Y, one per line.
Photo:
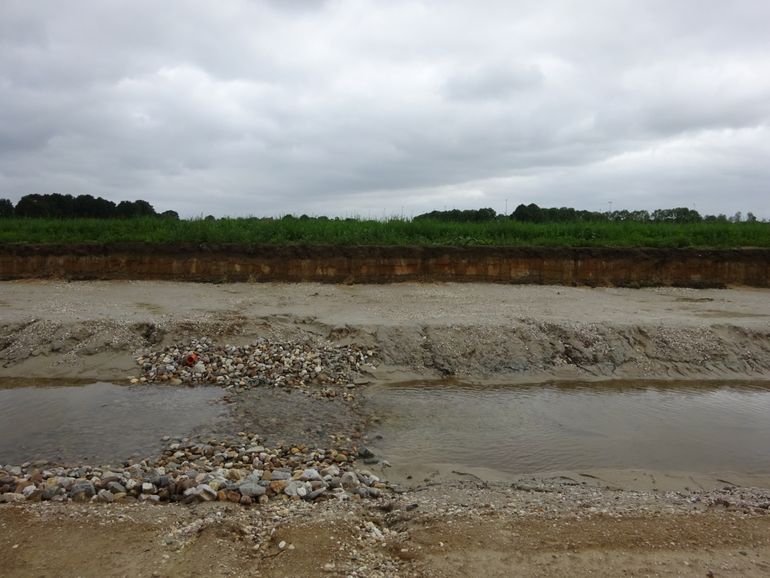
column 612, row 525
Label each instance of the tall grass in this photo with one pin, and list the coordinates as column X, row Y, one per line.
column 390, row 232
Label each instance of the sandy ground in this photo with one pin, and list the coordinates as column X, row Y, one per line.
column 87, row 329
column 605, row 526
column 440, row 531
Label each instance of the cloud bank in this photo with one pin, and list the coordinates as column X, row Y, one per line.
column 382, row 108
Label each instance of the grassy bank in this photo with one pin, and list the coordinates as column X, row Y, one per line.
column 393, row 232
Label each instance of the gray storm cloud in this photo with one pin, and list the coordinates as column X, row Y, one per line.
column 372, row 108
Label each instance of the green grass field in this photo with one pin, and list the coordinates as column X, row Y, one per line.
column 391, row 232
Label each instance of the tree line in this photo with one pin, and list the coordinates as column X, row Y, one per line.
column 58, row 206
column 533, row 214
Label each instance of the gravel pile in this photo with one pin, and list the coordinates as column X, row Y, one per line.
column 264, row 362
column 241, row 471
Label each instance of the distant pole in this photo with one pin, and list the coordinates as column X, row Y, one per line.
column 506, row 207
column 610, row 205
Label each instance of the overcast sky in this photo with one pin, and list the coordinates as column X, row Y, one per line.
column 238, row 107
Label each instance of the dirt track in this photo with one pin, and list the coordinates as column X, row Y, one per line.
column 485, row 332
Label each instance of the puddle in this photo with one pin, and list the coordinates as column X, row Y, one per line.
column 98, row 423
column 541, row 428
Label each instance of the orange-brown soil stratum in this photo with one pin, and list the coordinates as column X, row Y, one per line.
column 625, row 267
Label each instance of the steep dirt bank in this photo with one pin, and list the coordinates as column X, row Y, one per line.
column 622, row 267
column 92, row 329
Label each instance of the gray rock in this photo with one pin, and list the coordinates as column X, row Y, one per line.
column 66, row 482
column 367, row 478
column 152, row 477
column 105, row 496
column 116, row 488
column 7, row 481
column 252, row 489
column 364, row 452
column 310, row 475
column 28, row 491
column 332, row 471
column 10, row 498
column 207, row 493
column 82, row 491
column 255, row 476
column 315, row 494
column 281, row 475
column 295, row 488
column 349, row 480
column 374, row 493
column 50, row 492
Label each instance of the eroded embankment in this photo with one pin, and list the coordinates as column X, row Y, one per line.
column 530, row 349
column 623, row 267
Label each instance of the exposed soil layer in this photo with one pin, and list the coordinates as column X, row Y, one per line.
column 622, row 267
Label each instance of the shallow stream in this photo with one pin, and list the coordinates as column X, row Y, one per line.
column 100, row 422
column 541, row 428
column 511, row 429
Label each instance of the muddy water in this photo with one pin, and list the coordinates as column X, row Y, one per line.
column 100, row 422
column 528, row 429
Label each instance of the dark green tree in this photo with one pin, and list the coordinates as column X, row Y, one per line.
column 132, row 209
column 6, row 208
column 86, row 206
column 33, row 206
column 144, row 209
column 460, row 216
column 528, row 213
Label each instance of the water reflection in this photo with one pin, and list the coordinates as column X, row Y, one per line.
column 520, row 429
column 97, row 422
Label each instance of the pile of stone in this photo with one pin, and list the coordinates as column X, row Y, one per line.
column 241, row 471
column 264, row 362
